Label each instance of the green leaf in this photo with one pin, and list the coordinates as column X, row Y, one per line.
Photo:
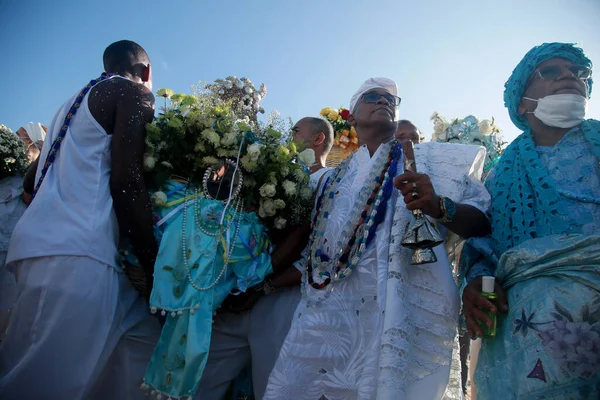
column 563, row 311
column 594, row 317
column 585, row 312
column 557, row 316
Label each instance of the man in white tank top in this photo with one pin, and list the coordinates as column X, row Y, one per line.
column 79, row 330
column 253, row 325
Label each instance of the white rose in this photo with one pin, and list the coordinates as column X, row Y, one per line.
column 279, row 204
column 267, row 190
column 149, row 163
column 254, row 151
column 280, row 223
column 167, row 164
column 306, row 193
column 267, row 208
column 158, row 199
column 485, row 127
column 307, row 157
column 228, row 139
column 248, row 90
column 289, row 187
column 228, row 85
column 239, row 84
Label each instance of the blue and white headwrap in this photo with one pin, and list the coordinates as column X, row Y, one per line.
column 516, row 84
column 525, row 201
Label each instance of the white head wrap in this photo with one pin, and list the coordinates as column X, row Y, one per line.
column 35, row 131
column 370, row 84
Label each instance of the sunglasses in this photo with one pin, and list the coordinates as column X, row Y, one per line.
column 373, row 97
column 552, row 72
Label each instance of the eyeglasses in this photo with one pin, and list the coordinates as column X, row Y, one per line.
column 373, row 97
column 552, row 72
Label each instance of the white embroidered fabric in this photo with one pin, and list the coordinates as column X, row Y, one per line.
column 388, row 330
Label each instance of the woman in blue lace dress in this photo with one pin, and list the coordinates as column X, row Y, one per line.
column 545, row 244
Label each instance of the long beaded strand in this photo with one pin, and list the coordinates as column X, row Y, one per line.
column 365, row 228
column 228, row 252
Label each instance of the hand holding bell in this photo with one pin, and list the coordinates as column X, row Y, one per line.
column 420, row 234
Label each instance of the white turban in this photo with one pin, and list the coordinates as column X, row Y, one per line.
column 370, row 84
column 35, row 131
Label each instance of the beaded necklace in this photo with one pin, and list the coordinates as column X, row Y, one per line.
column 227, row 253
column 374, row 195
column 63, row 130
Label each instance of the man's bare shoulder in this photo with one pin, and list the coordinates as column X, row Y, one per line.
column 125, row 90
column 120, row 96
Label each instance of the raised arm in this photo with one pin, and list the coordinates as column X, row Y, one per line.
column 130, row 196
column 468, row 221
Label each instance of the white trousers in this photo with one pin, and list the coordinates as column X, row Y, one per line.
column 240, row 339
column 78, row 330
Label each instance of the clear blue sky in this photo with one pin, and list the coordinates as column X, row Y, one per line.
column 446, row 56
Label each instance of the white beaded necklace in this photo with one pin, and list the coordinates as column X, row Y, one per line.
column 187, row 252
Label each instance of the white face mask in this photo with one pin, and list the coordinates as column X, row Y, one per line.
column 561, row 110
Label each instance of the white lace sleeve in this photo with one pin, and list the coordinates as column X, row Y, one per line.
column 476, row 195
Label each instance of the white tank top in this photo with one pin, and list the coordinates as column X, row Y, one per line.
column 72, row 213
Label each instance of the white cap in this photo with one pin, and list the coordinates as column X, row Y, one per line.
column 35, row 131
column 487, row 284
column 370, row 84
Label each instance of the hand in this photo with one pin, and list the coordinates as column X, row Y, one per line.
column 242, row 302
column 474, row 303
column 426, row 199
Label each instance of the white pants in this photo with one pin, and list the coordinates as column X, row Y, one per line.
column 78, row 330
column 255, row 336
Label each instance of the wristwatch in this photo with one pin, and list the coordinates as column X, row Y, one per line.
column 448, row 207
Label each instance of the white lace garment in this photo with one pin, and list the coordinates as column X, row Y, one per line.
column 386, row 331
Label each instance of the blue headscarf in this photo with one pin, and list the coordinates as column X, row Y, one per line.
column 515, row 86
column 525, row 201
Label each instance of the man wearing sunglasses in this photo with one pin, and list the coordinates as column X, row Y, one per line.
column 371, row 325
column 545, row 244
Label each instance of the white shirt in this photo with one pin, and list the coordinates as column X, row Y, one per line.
column 335, row 349
column 72, row 213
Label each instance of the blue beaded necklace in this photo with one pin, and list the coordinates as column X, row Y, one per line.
column 342, row 263
column 63, row 130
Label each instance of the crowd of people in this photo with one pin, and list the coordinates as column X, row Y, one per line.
column 346, row 312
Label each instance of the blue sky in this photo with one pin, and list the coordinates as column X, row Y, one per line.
column 446, row 56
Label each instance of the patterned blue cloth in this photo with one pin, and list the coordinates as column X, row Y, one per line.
column 516, row 84
column 574, row 167
column 548, row 344
column 526, row 201
column 182, row 350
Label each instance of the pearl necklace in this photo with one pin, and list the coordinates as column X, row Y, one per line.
column 237, row 172
column 221, row 229
column 187, row 252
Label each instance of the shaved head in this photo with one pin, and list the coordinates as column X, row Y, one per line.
column 320, row 125
column 125, row 56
